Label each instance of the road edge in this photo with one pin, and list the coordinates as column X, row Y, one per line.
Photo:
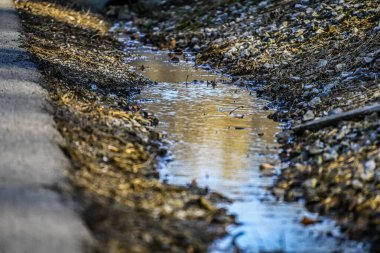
column 33, row 217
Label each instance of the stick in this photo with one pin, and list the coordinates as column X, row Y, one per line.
column 234, row 242
column 236, row 109
column 334, row 119
column 187, row 77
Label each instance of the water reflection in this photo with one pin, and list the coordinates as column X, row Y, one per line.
column 220, row 137
column 215, row 129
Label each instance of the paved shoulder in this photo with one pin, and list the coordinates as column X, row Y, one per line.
column 32, row 218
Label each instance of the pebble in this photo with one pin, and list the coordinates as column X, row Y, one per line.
column 311, row 183
column 340, row 67
column 309, row 115
column 194, row 40
column 335, row 111
column 315, row 102
column 322, row 63
column 367, row 60
column 94, row 87
column 197, row 48
column 370, row 165
column 266, row 166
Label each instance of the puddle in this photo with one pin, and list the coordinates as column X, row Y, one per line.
column 219, row 136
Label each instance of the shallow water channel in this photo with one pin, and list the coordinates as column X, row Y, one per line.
column 219, row 135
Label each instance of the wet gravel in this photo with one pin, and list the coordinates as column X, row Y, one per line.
column 311, row 59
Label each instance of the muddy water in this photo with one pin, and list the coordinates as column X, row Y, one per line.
column 218, row 137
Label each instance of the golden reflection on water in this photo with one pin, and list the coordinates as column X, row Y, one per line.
column 212, row 144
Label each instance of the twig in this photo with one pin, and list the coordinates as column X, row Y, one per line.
column 234, row 242
column 187, row 77
column 236, row 109
column 334, row 119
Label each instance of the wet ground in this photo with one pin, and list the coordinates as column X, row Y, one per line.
column 111, row 144
column 218, row 136
column 314, row 58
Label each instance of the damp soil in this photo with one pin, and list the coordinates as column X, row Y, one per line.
column 110, row 142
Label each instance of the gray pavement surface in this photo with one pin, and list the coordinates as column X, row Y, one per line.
column 32, row 217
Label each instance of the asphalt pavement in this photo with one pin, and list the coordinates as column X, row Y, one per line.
column 33, row 217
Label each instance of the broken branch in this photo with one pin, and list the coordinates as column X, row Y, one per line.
column 334, row 119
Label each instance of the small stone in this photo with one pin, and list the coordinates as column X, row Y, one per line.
column 227, row 55
column 339, row 67
column 322, row 63
column 370, row 165
column 266, row 166
column 367, row 60
column 315, row 102
column 308, row 87
column 314, row 150
column 268, row 65
column 94, row 87
column 197, row 48
column 309, row 115
column 262, row 4
column 300, row 6
column 170, row 28
column 340, row 17
column 335, row 111
column 309, row 11
column 315, row 91
column 112, row 95
column 346, row 74
column 357, row 184
column 328, row 88
column 194, row 40
column 296, row 78
column 311, row 183
column 330, row 155
column 245, row 53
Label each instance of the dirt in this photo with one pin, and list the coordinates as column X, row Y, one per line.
column 110, row 142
